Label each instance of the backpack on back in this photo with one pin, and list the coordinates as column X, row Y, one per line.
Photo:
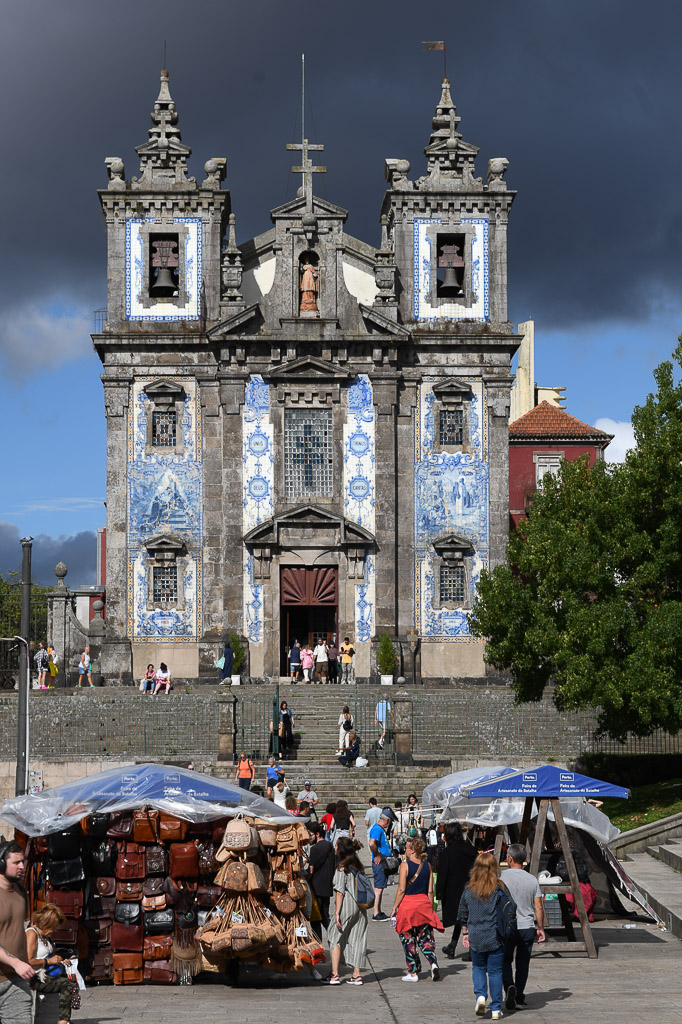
column 365, row 896
column 506, row 914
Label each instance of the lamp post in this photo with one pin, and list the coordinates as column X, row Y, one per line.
column 413, row 641
column 21, row 784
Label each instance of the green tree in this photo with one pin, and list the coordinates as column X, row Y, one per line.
column 386, row 656
column 590, row 596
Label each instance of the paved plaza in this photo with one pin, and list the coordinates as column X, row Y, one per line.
column 637, row 977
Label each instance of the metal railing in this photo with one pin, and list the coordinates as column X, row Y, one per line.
column 99, row 319
column 254, row 715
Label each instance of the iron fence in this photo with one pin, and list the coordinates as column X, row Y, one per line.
column 134, row 726
column 364, row 708
column 254, row 734
column 467, row 723
column 10, row 625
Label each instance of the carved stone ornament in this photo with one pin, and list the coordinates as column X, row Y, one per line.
column 497, row 168
column 116, row 171
column 216, row 169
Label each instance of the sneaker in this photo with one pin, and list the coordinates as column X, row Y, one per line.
column 316, row 974
column 435, row 972
column 353, row 981
column 479, row 1009
column 380, row 917
column 333, row 979
column 510, row 1001
column 410, row 977
column 497, row 1015
column 381, row 744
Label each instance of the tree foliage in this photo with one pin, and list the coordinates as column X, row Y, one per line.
column 590, row 597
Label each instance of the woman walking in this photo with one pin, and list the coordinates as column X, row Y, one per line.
column 454, row 864
column 346, row 723
column 348, row 926
column 245, row 772
column 344, row 822
column 295, row 661
column 478, row 915
column 307, row 662
column 414, row 913
column 286, row 721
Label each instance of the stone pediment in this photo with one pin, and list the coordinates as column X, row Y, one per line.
column 383, row 322
column 309, row 521
column 233, row 322
column 452, row 390
column 165, row 389
column 306, row 370
column 453, row 546
column 322, row 208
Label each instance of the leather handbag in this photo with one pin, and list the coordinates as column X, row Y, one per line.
column 156, row 858
column 101, row 906
column 96, row 826
column 233, row 876
column 128, row 968
column 159, row 922
column 283, row 903
column 65, row 872
column 154, row 887
column 171, row 829
column 255, row 878
column 208, row 895
column 146, row 826
column 130, row 862
column 99, row 930
column 154, row 902
column 208, row 865
column 120, row 825
column 127, row 932
column 128, row 892
column 157, row 947
column 102, row 965
column 69, row 901
column 106, row 886
column 67, row 933
column 102, row 858
column 184, row 860
column 161, row 971
column 287, row 839
column 127, row 913
column 65, row 845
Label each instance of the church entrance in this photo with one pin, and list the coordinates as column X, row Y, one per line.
column 309, row 607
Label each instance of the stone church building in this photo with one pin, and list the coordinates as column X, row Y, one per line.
column 306, row 433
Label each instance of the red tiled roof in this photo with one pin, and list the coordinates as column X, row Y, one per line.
column 550, row 422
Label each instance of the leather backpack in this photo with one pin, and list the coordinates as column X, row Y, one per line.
column 157, row 947
column 233, row 876
column 120, row 825
column 146, row 826
column 65, row 845
column 208, row 865
column 161, row 971
column 102, row 858
column 156, row 859
column 130, row 861
column 287, row 839
column 239, row 837
column 171, row 829
column 128, row 968
column 184, row 860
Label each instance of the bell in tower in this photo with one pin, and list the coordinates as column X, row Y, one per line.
column 450, row 260
column 164, row 267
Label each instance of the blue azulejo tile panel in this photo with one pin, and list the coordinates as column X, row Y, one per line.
column 164, row 497
column 135, row 259
column 365, row 601
column 358, row 454
column 424, row 265
column 451, row 497
column 258, row 477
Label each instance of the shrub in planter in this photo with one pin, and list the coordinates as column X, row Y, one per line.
column 386, row 656
column 239, row 654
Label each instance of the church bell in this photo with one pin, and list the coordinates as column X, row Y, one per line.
column 164, row 281
column 453, row 265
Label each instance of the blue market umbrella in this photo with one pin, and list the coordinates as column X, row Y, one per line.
column 547, row 780
column 187, row 794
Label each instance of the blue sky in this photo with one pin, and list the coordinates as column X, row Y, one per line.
column 582, row 99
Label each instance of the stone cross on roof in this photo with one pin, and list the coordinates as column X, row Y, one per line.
column 307, row 169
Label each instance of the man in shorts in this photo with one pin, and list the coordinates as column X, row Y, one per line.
column 16, row 1000
column 381, row 713
column 347, row 651
column 378, row 844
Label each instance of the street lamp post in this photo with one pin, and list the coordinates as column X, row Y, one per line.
column 21, row 785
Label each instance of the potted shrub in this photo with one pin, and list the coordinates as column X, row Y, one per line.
column 236, row 645
column 386, row 660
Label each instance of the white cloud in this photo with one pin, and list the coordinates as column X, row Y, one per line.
column 624, row 438
column 39, row 336
column 55, row 505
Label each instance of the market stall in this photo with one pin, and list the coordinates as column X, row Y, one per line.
column 155, row 866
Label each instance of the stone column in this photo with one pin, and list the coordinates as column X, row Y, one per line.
column 227, row 727
column 213, row 518
column 498, row 454
column 59, row 633
column 232, row 402
column 96, row 636
column 402, row 709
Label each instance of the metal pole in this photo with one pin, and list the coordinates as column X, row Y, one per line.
column 275, row 721
column 21, row 785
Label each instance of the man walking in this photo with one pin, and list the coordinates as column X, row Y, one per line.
column 320, row 668
column 381, row 713
column 378, row 844
column 372, row 814
column 525, row 891
column 309, row 795
column 16, row 1001
column 347, row 652
column 322, row 861
column 332, row 662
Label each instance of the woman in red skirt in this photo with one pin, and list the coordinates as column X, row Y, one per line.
column 413, row 911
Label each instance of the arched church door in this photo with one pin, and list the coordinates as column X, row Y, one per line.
column 309, row 607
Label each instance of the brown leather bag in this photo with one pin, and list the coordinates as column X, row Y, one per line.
column 161, row 971
column 208, row 895
column 146, row 826
column 128, row 968
column 128, row 937
column 70, row 901
column 120, row 825
column 171, row 829
column 67, row 933
column 156, row 858
column 184, row 861
column 130, row 861
column 106, row 886
column 127, row 891
column 102, row 962
column 153, row 886
column 157, row 947
column 154, row 902
column 99, row 930
column 208, row 865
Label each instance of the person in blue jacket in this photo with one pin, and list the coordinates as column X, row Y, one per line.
column 228, row 655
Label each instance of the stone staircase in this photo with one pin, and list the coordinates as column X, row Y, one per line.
column 658, row 873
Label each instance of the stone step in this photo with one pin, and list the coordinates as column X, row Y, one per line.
column 661, row 884
column 670, row 854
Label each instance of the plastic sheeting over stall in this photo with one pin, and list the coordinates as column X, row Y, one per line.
column 449, row 794
column 187, row 794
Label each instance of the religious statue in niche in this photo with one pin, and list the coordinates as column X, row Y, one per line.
column 308, row 283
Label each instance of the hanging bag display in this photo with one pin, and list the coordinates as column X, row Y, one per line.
column 128, row 969
column 156, row 860
column 159, row 922
column 146, row 826
column 129, row 892
column 184, row 860
column 157, row 947
column 130, row 861
column 172, row 829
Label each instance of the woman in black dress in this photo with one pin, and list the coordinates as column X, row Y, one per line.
column 454, row 864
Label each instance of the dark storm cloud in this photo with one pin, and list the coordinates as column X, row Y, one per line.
column 79, row 553
column 582, row 98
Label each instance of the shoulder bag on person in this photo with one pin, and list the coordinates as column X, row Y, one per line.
column 365, row 892
column 506, row 914
column 390, row 864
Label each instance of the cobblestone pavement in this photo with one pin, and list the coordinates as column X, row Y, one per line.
column 636, row 977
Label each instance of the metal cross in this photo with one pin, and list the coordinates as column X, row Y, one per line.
column 307, row 169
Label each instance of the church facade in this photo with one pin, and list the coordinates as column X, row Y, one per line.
column 306, row 434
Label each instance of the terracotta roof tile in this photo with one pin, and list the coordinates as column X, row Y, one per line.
column 549, row 421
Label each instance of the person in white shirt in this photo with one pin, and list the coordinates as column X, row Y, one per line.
column 321, row 658
column 280, row 793
column 163, row 678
